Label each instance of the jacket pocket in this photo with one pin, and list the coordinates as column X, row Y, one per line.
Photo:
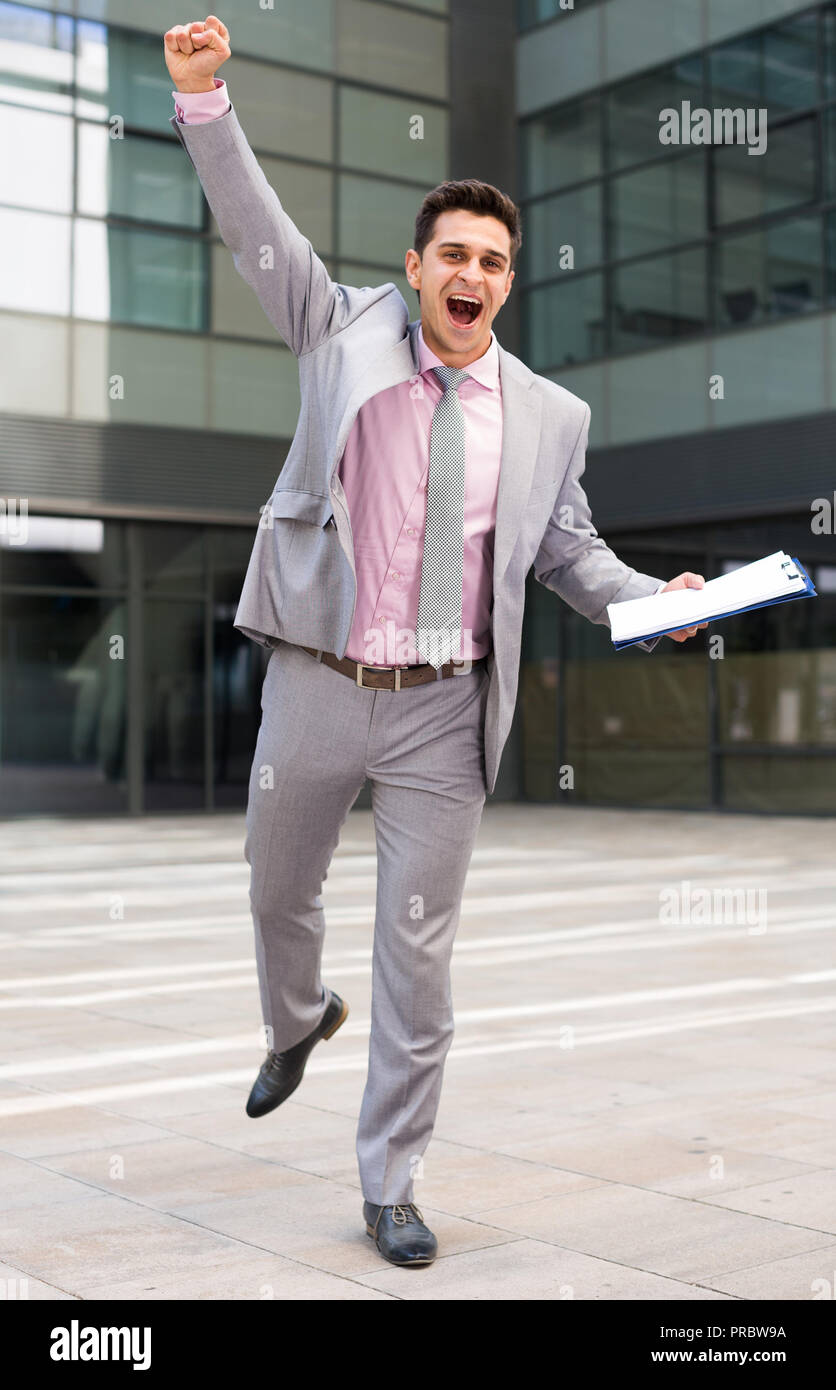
column 302, row 506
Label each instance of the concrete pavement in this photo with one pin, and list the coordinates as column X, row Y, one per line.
column 639, row 1101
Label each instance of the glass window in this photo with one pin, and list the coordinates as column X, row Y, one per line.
column 829, row 55
column 377, row 219
column 659, row 205
column 37, row 159
column 570, row 219
column 63, row 693
column 253, row 389
column 300, row 32
column 659, row 300
column 770, row 272
column 174, row 705
column 35, row 264
column 789, row 64
column 280, row 111
column 531, row 12
column 387, row 135
column 119, row 73
column 392, row 48
column 779, row 784
column 562, row 147
column 238, row 668
column 734, row 72
column 145, row 179
column 173, row 558
column 753, row 185
column 830, row 252
column 633, row 109
column 635, row 736
column 775, row 68
column 777, row 697
column 139, row 277
column 36, row 58
column 70, row 552
column 564, row 323
column 829, row 153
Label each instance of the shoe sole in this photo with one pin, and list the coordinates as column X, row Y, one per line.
column 403, row 1263
column 334, row 1026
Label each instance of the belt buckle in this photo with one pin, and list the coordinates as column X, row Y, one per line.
column 359, row 677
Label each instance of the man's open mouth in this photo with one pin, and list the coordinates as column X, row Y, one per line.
column 463, row 309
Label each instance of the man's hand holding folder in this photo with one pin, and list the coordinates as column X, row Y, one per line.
column 684, row 581
column 776, row 578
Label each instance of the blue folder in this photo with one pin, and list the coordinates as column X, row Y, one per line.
column 807, row 592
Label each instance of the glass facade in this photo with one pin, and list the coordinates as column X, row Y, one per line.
column 102, row 216
column 741, row 718
column 123, row 685
column 680, row 240
column 719, row 258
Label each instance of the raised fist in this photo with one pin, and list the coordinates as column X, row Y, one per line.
column 194, row 52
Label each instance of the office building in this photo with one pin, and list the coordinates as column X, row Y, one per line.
column 146, row 402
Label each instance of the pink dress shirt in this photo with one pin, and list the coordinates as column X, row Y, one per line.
column 384, row 470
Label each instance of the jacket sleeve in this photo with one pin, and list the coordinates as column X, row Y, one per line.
column 575, row 562
column 293, row 286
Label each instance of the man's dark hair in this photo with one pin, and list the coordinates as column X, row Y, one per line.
column 470, row 195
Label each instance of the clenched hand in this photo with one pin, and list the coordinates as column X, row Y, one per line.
column 194, row 52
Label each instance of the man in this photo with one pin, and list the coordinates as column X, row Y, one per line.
column 429, row 470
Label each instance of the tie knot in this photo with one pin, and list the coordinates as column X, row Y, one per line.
column 451, row 377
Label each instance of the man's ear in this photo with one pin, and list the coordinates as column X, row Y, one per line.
column 412, row 264
column 510, row 283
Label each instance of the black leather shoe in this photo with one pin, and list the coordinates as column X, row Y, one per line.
column 399, row 1233
column 281, row 1072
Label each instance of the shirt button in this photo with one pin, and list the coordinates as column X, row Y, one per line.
column 394, row 574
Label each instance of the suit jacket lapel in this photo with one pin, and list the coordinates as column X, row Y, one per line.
column 521, row 420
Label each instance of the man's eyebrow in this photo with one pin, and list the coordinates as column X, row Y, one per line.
column 464, row 246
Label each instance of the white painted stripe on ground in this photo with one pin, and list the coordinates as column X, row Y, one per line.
column 655, row 942
column 336, row 958
column 119, row 877
column 108, row 1095
column 187, row 927
column 620, row 892
column 464, row 1018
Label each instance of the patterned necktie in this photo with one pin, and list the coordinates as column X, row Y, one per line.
column 439, row 624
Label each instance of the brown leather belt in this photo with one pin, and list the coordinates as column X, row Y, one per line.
column 392, row 677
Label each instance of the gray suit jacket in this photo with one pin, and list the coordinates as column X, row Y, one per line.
column 350, row 343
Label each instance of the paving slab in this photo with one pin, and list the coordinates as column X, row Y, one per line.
column 630, row 1110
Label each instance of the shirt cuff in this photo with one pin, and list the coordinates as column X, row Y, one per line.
column 193, row 107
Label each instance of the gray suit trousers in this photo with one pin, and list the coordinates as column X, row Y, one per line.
column 422, row 749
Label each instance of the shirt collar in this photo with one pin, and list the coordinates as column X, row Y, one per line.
column 485, row 369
